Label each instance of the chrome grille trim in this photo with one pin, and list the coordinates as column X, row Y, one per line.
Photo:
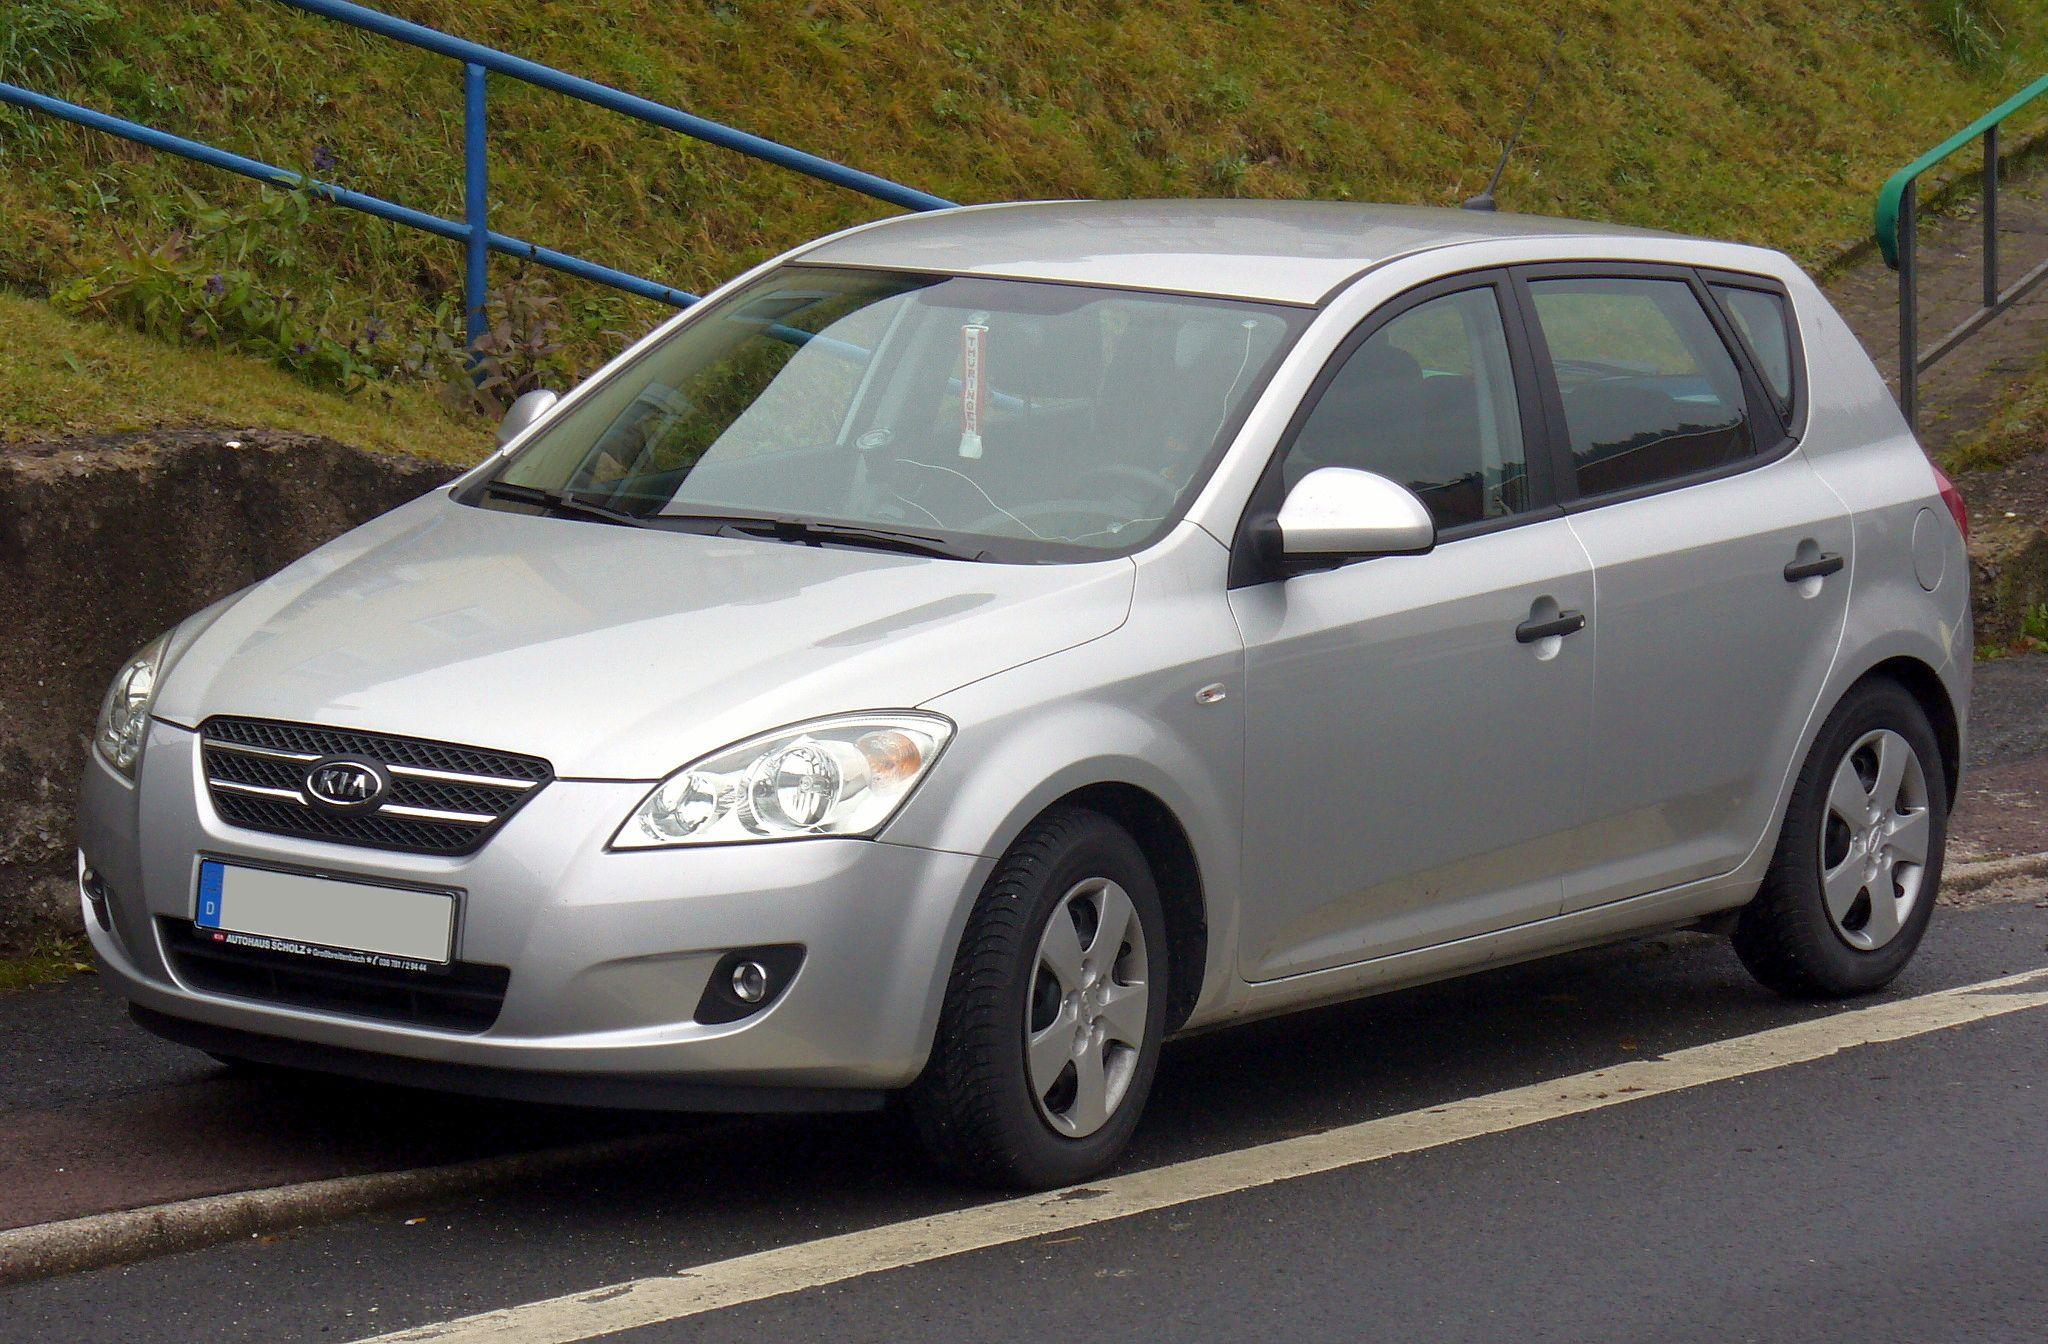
column 432, row 814
column 456, row 777
column 410, row 771
column 267, row 753
column 254, row 772
column 257, row 790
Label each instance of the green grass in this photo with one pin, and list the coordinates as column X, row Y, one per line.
column 62, row 375
column 1771, row 121
column 49, row 962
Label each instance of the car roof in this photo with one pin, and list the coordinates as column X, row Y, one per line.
column 1279, row 251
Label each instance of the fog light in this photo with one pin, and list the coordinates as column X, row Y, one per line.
column 95, row 889
column 750, row 982
column 746, row 980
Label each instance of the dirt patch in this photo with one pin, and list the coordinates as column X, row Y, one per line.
column 104, row 542
column 1967, row 390
column 2009, row 712
column 2024, row 889
column 1961, row 392
column 2002, row 808
column 2000, row 812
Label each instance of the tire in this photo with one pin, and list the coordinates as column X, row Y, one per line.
column 1016, row 981
column 1819, row 926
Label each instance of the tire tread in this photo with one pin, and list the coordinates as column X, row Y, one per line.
column 958, row 1105
column 1783, row 937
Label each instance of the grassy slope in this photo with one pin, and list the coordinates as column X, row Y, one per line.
column 61, row 375
column 1767, row 120
column 1761, row 119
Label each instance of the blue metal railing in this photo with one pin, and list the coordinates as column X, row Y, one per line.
column 473, row 231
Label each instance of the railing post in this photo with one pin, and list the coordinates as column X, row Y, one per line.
column 1909, row 306
column 476, row 209
column 1991, row 218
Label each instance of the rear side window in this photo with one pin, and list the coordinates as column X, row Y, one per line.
column 1429, row 401
column 1761, row 318
column 1650, row 391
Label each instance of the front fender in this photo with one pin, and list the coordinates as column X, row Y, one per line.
column 1124, row 710
column 980, row 799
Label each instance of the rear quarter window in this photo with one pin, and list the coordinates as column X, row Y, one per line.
column 1765, row 322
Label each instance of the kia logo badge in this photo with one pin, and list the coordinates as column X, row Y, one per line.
column 347, row 784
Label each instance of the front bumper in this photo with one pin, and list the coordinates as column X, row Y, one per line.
column 609, row 952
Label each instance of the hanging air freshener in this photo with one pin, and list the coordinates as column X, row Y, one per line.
column 973, row 397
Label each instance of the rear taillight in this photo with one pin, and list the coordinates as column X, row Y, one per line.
column 1954, row 499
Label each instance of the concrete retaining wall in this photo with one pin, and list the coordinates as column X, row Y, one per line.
column 104, row 542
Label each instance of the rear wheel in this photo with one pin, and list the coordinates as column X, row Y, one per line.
column 1049, row 1036
column 1851, row 888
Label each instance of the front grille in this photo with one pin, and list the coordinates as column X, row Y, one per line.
column 443, row 799
column 464, row 996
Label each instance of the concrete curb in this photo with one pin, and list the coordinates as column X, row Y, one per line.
column 104, row 1239
column 1963, row 877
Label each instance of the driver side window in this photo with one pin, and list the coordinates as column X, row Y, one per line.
column 1429, row 401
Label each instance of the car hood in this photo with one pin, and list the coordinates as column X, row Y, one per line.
column 615, row 652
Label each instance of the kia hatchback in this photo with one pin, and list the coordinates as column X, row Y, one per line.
column 972, row 648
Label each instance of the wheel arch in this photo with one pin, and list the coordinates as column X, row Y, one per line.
column 1914, row 661
column 1925, row 685
column 1177, row 870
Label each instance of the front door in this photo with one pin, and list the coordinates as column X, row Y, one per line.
column 1412, row 761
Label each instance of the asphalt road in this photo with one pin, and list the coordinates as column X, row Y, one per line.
column 1890, row 1191
column 97, row 1114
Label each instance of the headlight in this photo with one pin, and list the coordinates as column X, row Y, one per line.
column 124, row 714
column 837, row 776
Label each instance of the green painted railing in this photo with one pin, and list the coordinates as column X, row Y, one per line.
column 1897, row 233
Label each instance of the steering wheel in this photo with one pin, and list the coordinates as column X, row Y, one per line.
column 1156, row 493
column 1025, row 515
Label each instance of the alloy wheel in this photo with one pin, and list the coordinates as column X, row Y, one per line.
column 1873, row 845
column 1085, row 1020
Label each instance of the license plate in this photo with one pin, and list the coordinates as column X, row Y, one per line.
column 324, row 916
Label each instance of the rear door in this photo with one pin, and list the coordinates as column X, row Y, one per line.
column 1721, row 559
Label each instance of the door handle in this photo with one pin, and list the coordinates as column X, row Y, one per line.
column 1822, row 565
column 1564, row 623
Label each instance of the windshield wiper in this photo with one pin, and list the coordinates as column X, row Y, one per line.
column 807, row 532
column 800, row 530
column 561, row 501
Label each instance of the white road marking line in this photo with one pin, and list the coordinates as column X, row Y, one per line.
column 813, row 1264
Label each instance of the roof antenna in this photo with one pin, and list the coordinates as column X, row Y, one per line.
column 1484, row 200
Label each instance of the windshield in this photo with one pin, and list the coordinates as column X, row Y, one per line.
column 995, row 419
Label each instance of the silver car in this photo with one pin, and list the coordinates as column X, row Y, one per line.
column 969, row 649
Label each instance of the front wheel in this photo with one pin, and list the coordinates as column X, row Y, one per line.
column 1050, row 1032
column 1852, row 885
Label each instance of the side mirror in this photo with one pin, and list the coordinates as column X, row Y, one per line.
column 1335, row 514
column 530, row 407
